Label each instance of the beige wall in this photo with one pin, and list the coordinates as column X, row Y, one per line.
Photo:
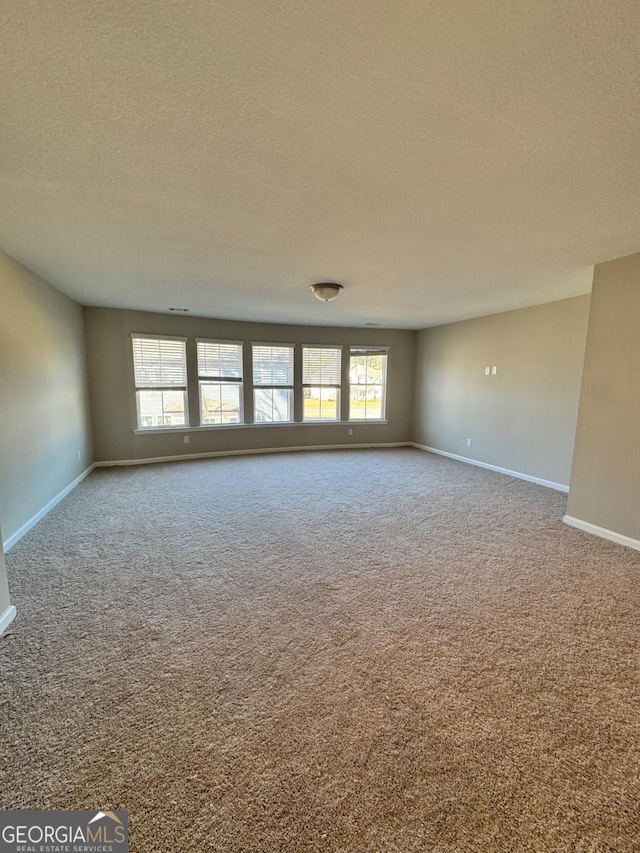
column 110, row 364
column 605, row 483
column 522, row 419
column 44, row 416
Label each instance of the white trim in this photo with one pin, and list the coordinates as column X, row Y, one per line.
column 249, row 452
column 284, row 344
column 11, row 541
column 559, row 487
column 146, row 337
column 323, row 346
column 263, row 425
column 7, row 618
column 619, row 538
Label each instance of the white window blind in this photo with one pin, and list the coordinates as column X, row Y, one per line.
column 220, row 382
column 219, row 359
column 321, row 368
column 368, row 383
column 273, row 383
column 272, row 365
column 372, row 351
column 159, row 362
column 160, row 376
column 321, row 365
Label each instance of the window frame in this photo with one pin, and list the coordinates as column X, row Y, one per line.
column 370, row 350
column 162, row 388
column 208, row 380
column 295, row 387
column 337, row 388
column 274, row 386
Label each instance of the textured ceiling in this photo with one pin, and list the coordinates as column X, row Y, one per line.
column 442, row 160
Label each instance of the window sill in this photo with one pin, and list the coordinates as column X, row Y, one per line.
column 183, row 429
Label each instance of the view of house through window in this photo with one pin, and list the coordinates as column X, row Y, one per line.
column 272, row 383
column 220, row 382
column 321, row 368
column 368, row 383
column 160, row 374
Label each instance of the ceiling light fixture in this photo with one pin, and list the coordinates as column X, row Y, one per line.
column 326, row 291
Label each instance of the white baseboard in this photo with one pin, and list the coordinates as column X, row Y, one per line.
column 7, row 618
column 559, row 487
column 602, row 532
column 153, row 459
column 11, row 540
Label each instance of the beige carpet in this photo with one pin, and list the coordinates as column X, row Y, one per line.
column 344, row 651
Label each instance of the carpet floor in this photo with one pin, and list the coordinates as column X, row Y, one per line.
column 375, row 650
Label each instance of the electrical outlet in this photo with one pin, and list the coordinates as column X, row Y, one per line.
column 186, row 439
column 469, row 442
column 350, row 432
column 487, row 371
column 79, row 456
column 494, row 369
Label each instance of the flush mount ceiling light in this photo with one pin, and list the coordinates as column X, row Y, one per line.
column 326, row 291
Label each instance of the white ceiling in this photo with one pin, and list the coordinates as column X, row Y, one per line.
column 442, row 160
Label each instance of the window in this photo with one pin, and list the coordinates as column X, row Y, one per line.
column 368, row 383
column 220, row 382
column 272, row 383
column 321, row 383
column 160, row 375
